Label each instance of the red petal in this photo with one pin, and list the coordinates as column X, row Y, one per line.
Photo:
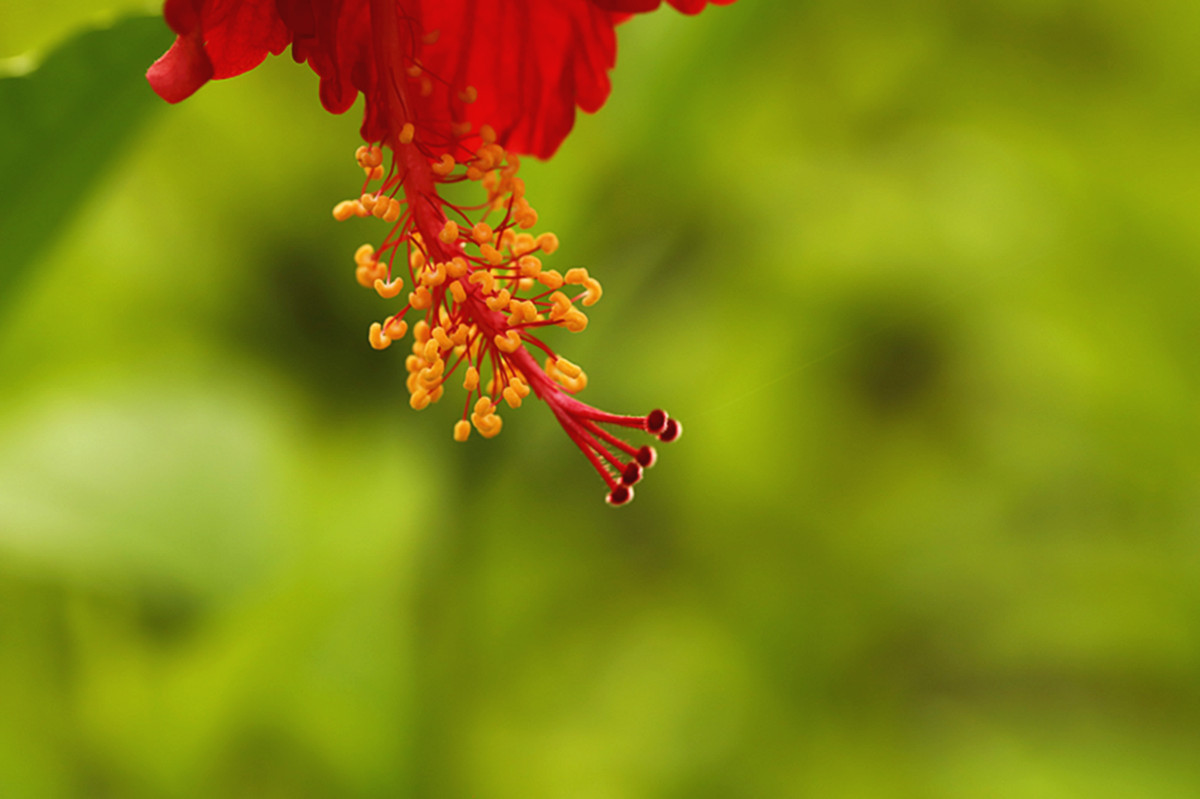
column 642, row 6
column 628, row 6
column 696, row 6
column 531, row 63
column 181, row 70
column 217, row 39
column 183, row 16
column 243, row 37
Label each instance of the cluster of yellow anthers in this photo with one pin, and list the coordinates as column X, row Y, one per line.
column 494, row 268
column 483, row 294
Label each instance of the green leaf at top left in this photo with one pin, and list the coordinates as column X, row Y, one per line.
column 61, row 126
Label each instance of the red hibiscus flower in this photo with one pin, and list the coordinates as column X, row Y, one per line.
column 454, row 91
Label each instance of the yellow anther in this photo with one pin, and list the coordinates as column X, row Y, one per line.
column 416, row 260
column 393, row 210
column 379, row 340
column 457, row 267
column 367, row 201
column 373, row 172
column 390, row 289
column 368, row 157
column 575, row 321
column 462, row 430
column 407, row 132
column 458, row 292
column 521, row 386
column 444, row 166
column 512, row 397
column 434, row 275
column 364, row 255
column 488, row 134
column 499, row 301
column 575, row 380
column 525, row 284
column 482, row 233
column 460, row 334
column 550, row 278
column 488, row 426
column 431, row 37
column 396, row 328
column 530, row 265
column 468, row 95
column 366, row 274
column 460, row 129
column 567, row 368
column 527, row 218
column 594, row 292
column 344, row 210
column 490, row 253
column 471, row 379
column 430, row 350
column 562, row 305
column 413, row 364
column 475, row 173
column 443, row 340
column 485, row 158
column 431, row 375
column 576, row 276
column 522, row 311
column 483, row 407
column 485, row 279
column 420, row 399
column 510, row 342
column 491, row 182
column 420, row 299
column 381, row 207
column 428, row 381
column 522, row 243
column 449, row 232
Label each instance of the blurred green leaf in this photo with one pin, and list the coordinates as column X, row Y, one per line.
column 61, row 127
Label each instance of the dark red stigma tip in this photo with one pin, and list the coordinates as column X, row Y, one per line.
column 671, row 431
column 656, row 421
column 631, row 473
column 619, row 495
column 646, row 456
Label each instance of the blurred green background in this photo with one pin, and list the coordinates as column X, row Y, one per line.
column 922, row 282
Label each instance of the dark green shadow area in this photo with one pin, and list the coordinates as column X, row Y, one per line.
column 61, row 127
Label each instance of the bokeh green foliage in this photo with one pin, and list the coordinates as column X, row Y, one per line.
column 920, row 280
